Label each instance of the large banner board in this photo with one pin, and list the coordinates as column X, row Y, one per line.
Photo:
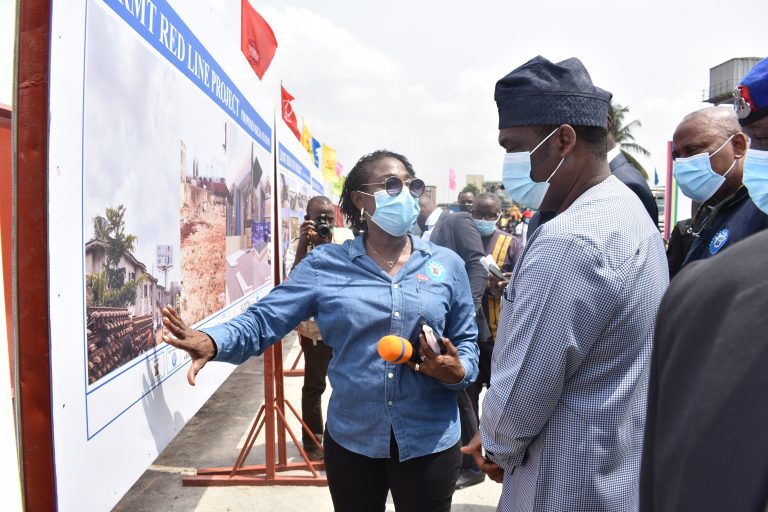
column 161, row 186
column 298, row 180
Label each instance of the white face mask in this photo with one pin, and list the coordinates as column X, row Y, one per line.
column 516, row 177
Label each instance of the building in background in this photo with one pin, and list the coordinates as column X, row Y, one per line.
column 724, row 78
column 476, row 180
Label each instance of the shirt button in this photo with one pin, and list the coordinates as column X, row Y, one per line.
column 391, row 375
column 395, row 285
column 389, row 403
column 397, row 314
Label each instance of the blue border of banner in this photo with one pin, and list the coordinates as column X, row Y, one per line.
column 164, row 30
column 244, row 115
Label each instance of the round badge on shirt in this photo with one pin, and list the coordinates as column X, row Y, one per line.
column 719, row 240
column 435, row 270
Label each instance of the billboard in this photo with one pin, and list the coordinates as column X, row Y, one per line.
column 169, row 165
column 297, row 181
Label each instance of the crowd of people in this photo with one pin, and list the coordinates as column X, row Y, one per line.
column 606, row 388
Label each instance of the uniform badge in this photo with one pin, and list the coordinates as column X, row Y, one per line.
column 719, row 240
column 435, row 269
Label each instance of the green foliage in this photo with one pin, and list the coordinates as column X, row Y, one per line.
column 121, row 297
column 470, row 188
column 622, row 134
column 109, row 287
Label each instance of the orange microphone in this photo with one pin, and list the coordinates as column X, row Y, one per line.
column 395, row 349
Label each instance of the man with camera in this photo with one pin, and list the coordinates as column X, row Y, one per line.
column 319, row 228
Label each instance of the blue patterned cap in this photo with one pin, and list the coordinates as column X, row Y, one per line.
column 752, row 94
column 544, row 93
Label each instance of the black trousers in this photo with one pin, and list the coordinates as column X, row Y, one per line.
column 316, row 358
column 359, row 483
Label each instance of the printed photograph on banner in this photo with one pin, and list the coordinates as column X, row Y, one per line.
column 297, row 183
column 176, row 203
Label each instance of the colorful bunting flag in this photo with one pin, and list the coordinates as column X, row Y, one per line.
column 306, row 138
column 329, row 164
column 316, row 147
column 337, row 186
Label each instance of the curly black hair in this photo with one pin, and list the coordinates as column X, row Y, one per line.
column 360, row 174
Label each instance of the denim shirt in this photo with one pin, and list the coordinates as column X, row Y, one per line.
column 355, row 303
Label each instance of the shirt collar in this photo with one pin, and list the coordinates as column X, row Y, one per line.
column 357, row 247
column 432, row 219
column 614, row 152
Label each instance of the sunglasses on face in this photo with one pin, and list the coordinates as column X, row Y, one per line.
column 394, row 185
column 485, row 216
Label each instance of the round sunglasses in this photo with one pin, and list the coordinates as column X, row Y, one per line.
column 394, row 185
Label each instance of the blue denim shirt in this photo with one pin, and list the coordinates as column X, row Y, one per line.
column 355, row 303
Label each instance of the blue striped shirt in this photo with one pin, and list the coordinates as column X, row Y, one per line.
column 565, row 412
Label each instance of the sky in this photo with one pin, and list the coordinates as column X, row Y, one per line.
column 418, row 77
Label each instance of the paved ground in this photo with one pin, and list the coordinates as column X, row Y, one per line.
column 213, row 438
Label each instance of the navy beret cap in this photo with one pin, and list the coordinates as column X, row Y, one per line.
column 544, row 93
column 752, row 94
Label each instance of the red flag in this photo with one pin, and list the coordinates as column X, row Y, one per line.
column 257, row 41
column 339, row 169
column 451, row 179
column 289, row 116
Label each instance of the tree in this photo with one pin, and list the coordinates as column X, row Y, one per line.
column 471, row 188
column 108, row 287
column 622, row 134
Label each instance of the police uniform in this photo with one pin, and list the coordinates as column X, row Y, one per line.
column 718, row 227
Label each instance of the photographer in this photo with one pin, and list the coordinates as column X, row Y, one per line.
column 318, row 228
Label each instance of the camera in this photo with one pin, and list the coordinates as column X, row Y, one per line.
column 322, row 227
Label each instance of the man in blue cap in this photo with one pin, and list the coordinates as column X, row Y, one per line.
column 705, row 439
column 562, row 422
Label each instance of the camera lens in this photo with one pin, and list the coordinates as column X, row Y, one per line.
column 323, row 231
column 322, row 227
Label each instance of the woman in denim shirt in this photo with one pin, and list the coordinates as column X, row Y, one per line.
column 389, row 427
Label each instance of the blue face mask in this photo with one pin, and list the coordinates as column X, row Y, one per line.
column 394, row 214
column 485, row 227
column 695, row 176
column 756, row 177
column 516, row 177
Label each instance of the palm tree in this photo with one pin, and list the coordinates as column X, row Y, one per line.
column 622, row 134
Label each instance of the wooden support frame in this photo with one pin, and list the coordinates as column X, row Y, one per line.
column 29, row 262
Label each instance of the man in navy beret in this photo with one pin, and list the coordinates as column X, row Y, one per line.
column 706, row 439
column 562, row 422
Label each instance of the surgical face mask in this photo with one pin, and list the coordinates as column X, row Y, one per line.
column 695, row 176
column 516, row 177
column 755, row 177
column 485, row 227
column 394, row 214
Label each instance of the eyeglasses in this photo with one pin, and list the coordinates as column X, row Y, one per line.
column 485, row 216
column 394, row 185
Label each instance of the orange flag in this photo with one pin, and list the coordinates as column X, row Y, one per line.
column 257, row 41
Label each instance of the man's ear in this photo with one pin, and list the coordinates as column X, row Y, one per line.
column 566, row 140
column 740, row 143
